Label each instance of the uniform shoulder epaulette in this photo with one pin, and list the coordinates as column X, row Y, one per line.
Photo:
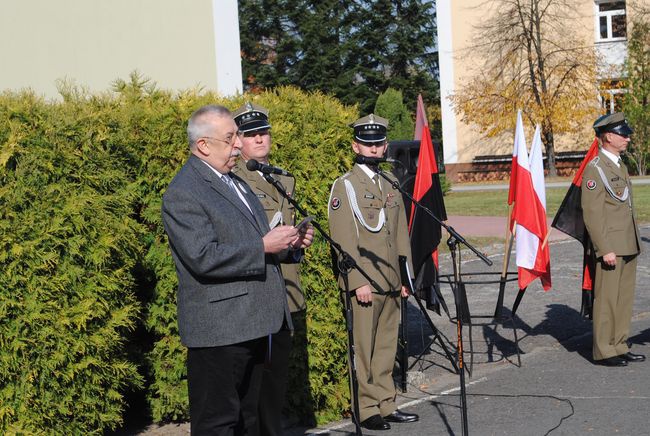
column 345, row 176
column 340, row 179
column 594, row 161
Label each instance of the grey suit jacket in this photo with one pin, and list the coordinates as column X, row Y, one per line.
column 229, row 291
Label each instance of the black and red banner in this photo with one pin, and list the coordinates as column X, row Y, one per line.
column 569, row 220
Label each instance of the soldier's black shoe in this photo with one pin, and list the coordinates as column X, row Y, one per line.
column 612, row 361
column 631, row 357
column 375, row 422
column 399, row 416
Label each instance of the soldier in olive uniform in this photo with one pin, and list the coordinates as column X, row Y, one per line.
column 609, row 218
column 367, row 218
column 254, row 126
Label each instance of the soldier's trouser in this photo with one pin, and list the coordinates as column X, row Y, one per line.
column 375, row 340
column 613, row 299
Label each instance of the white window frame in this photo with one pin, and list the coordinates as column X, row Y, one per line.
column 608, row 14
column 609, row 103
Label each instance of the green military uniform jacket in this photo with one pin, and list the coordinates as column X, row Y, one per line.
column 376, row 251
column 279, row 212
column 608, row 209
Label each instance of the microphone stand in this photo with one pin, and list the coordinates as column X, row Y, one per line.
column 345, row 264
column 453, row 243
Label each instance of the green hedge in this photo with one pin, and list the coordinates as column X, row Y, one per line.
column 87, row 283
column 68, row 245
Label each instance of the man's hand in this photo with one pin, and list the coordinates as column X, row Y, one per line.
column 405, row 292
column 279, row 239
column 364, row 294
column 305, row 237
column 610, row 259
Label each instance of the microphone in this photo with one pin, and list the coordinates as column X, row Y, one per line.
column 374, row 160
column 253, row 165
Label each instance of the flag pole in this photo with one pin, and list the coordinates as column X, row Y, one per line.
column 510, row 236
column 548, row 233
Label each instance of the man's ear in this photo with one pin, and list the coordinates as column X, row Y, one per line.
column 355, row 147
column 202, row 147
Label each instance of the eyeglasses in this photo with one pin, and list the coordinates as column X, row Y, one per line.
column 230, row 140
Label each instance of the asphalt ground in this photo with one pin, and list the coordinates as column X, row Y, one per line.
column 554, row 390
column 557, row 389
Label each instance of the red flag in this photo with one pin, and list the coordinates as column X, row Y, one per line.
column 533, row 256
column 569, row 220
column 424, row 231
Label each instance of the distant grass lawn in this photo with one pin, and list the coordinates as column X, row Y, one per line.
column 494, row 203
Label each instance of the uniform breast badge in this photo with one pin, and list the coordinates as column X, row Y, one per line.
column 390, row 200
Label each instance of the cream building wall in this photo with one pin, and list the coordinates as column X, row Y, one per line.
column 458, row 49
column 178, row 44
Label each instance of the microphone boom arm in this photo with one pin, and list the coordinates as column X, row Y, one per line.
column 396, row 185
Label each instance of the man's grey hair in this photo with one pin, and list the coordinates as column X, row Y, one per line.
column 199, row 123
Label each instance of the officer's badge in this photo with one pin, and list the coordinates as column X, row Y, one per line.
column 369, row 196
column 260, row 195
column 615, row 179
column 336, row 203
column 591, row 185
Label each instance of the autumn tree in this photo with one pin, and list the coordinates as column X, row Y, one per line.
column 531, row 57
column 636, row 104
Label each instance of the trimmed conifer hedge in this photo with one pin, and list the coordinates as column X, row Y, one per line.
column 87, row 283
column 68, row 246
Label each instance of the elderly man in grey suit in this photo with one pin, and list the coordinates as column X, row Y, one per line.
column 231, row 294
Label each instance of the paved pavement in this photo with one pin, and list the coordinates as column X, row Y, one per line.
column 557, row 390
column 491, row 226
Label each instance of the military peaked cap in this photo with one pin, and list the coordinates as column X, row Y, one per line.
column 615, row 122
column 371, row 128
column 251, row 117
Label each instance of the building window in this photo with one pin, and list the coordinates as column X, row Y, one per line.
column 611, row 20
column 612, row 93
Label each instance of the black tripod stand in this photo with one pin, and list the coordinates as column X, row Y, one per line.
column 459, row 295
column 345, row 264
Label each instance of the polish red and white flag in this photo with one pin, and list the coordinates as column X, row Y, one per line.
column 529, row 212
